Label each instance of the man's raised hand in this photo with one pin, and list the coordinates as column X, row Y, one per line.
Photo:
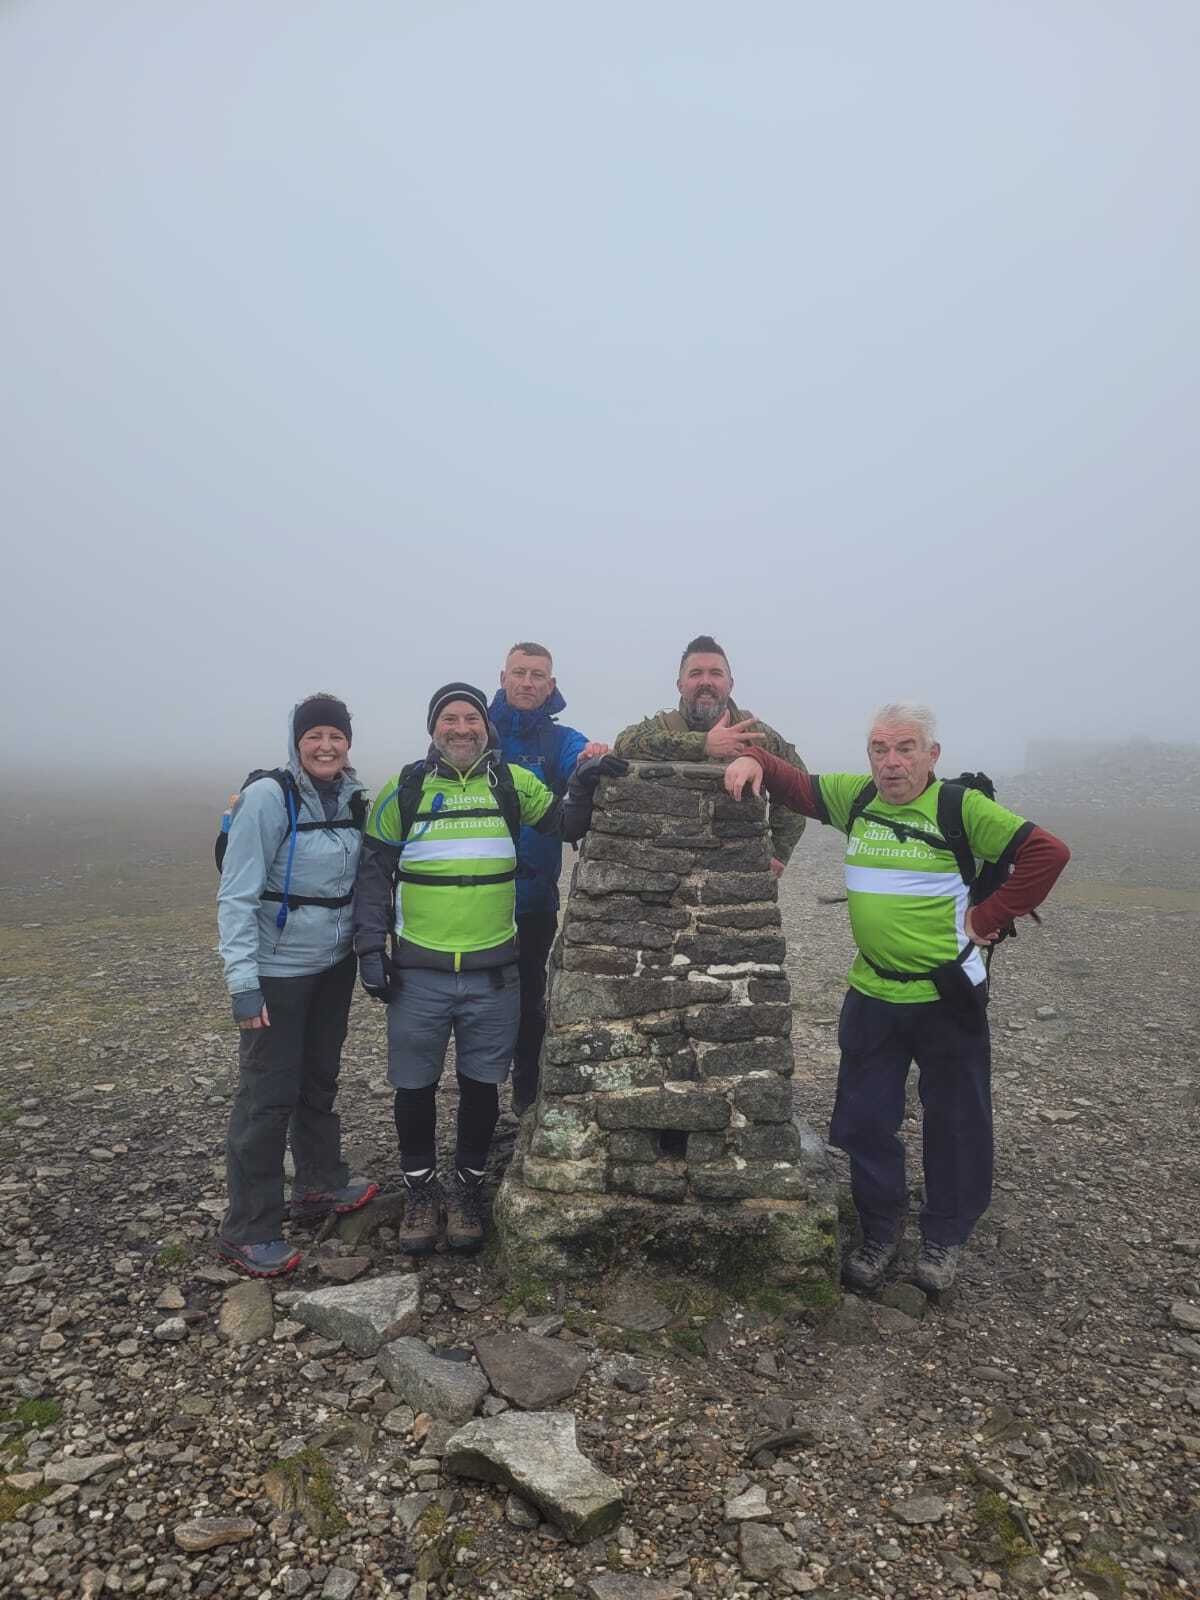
column 741, row 772
column 726, row 739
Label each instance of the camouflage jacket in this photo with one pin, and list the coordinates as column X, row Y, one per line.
column 667, row 737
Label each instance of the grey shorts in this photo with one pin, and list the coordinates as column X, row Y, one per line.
column 482, row 1007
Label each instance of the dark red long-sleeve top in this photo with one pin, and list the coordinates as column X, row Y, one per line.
column 1037, row 861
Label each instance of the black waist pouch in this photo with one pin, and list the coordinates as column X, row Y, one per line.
column 964, row 998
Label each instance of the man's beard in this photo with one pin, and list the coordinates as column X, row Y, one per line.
column 704, row 712
column 461, row 753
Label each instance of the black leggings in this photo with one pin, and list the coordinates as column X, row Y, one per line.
column 416, row 1124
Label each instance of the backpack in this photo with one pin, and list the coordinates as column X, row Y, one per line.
column 981, row 879
column 408, row 800
column 291, row 800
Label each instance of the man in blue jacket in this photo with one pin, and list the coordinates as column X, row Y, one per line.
column 523, row 712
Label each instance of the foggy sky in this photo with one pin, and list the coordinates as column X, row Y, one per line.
column 343, row 345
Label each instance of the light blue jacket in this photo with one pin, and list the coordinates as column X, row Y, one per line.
column 315, row 937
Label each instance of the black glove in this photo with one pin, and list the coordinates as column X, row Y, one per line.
column 374, row 976
column 588, row 773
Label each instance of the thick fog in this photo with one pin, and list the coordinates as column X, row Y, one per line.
column 345, row 345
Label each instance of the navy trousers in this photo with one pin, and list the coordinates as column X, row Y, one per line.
column 535, row 935
column 879, row 1042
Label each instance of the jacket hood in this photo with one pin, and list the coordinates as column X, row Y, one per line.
column 303, row 782
column 509, row 720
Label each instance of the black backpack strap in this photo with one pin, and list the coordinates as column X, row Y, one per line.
column 329, row 902
column 950, row 825
column 458, row 881
column 408, row 794
column 862, row 800
column 507, row 798
column 279, row 775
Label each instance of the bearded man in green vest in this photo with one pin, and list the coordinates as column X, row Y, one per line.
column 437, row 877
column 707, row 726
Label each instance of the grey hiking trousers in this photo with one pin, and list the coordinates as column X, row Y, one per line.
column 287, row 1086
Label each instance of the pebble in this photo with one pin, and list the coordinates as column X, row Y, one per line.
column 519, row 1513
column 171, row 1331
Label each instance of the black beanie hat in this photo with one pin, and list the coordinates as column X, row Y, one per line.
column 456, row 691
column 321, row 711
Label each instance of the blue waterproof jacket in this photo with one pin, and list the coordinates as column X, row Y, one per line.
column 314, row 937
column 533, row 739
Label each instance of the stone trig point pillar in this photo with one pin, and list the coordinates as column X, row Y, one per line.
column 663, row 1130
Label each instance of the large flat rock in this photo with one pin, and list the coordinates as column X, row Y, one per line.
column 364, row 1315
column 531, row 1372
column 535, row 1454
column 631, row 1586
column 451, row 1390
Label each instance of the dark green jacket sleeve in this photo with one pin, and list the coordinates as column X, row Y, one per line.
column 652, row 740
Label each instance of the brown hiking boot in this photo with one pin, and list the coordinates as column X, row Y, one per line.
column 464, row 1211
column 422, row 1226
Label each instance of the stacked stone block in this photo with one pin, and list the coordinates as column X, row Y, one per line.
column 665, row 1100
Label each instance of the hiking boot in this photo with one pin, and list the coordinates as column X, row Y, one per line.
column 316, row 1204
column 936, row 1266
column 422, row 1226
column 270, row 1260
column 866, row 1268
column 464, row 1211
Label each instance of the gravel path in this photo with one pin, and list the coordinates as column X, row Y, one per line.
column 1038, row 1432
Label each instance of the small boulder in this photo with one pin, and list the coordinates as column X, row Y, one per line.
column 448, row 1389
column 752, row 1506
column 530, row 1371
column 79, row 1469
column 247, row 1313
column 922, row 1508
column 363, row 1316
column 534, row 1453
column 206, row 1533
column 631, row 1586
column 764, row 1551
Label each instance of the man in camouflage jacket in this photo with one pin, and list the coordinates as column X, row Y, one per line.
column 708, row 726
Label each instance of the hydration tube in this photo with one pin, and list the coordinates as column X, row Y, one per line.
column 436, row 804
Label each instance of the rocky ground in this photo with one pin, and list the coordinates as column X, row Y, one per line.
column 1037, row 1432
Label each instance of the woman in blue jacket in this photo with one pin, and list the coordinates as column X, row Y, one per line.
column 283, row 911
